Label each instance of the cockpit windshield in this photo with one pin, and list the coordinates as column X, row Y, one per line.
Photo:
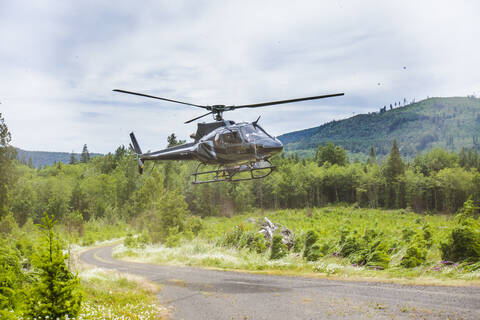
column 231, row 137
column 254, row 133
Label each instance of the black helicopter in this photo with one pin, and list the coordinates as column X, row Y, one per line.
column 233, row 147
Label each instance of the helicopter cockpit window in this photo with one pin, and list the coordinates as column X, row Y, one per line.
column 231, row 137
column 252, row 133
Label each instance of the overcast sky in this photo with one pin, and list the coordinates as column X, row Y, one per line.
column 60, row 60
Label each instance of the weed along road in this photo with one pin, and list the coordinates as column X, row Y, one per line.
column 195, row 293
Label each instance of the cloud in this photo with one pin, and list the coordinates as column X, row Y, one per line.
column 63, row 59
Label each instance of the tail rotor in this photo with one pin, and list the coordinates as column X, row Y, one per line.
column 138, row 152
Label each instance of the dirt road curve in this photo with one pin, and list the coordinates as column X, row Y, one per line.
column 207, row 294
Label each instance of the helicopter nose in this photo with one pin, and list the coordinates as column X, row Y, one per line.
column 273, row 147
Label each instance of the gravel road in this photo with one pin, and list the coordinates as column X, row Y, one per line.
column 195, row 293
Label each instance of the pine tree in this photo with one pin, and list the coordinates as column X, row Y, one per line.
column 172, row 141
column 372, row 158
column 394, row 169
column 85, row 154
column 73, row 159
column 56, row 293
column 7, row 155
column 394, row 165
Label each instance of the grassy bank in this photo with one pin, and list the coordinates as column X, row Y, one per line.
column 395, row 231
column 111, row 295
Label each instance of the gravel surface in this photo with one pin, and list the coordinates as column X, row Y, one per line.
column 195, row 293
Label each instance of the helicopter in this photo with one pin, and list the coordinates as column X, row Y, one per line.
column 233, row 148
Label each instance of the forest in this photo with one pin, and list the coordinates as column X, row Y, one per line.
column 450, row 123
column 104, row 197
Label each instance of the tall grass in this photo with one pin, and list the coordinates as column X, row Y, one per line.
column 398, row 229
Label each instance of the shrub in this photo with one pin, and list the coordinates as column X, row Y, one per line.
column 298, row 244
column 129, row 241
column 414, row 256
column 232, row 238
column 173, row 238
column 378, row 258
column 258, row 244
column 407, row 234
column 370, row 249
column 11, row 276
column 310, row 238
column 427, row 234
column 194, row 224
column 279, row 249
column 378, row 255
column 350, row 245
column 314, row 253
column 463, row 243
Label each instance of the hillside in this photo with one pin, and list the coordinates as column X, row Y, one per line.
column 450, row 123
column 45, row 158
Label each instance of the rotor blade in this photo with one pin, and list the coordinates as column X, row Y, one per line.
column 154, row 97
column 206, row 114
column 285, row 101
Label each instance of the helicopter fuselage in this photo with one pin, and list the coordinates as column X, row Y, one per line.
column 229, row 144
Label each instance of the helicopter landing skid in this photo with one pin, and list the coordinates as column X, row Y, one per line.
column 228, row 173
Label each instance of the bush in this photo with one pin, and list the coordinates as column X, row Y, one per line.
column 314, row 253
column 194, row 224
column 427, row 234
column 298, row 244
column 350, row 245
column 310, row 238
column 463, row 243
column 370, row 250
column 174, row 237
column 232, row 238
column 407, row 234
column 378, row 258
column 414, row 256
column 11, row 276
column 258, row 244
column 279, row 249
column 140, row 241
column 129, row 241
column 378, row 255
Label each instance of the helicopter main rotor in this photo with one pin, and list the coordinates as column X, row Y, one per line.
column 218, row 109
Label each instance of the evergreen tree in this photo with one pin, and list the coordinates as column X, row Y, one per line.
column 56, row 293
column 85, row 154
column 394, row 165
column 172, row 141
column 7, row 155
column 462, row 158
column 30, row 162
column 372, row 158
column 73, row 159
column 394, row 169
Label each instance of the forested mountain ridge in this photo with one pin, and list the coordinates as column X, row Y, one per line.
column 450, row 123
column 46, row 158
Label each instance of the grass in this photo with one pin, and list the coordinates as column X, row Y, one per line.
column 111, row 295
column 398, row 228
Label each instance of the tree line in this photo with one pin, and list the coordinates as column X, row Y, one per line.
column 109, row 187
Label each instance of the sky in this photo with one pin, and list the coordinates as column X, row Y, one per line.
column 60, row 60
